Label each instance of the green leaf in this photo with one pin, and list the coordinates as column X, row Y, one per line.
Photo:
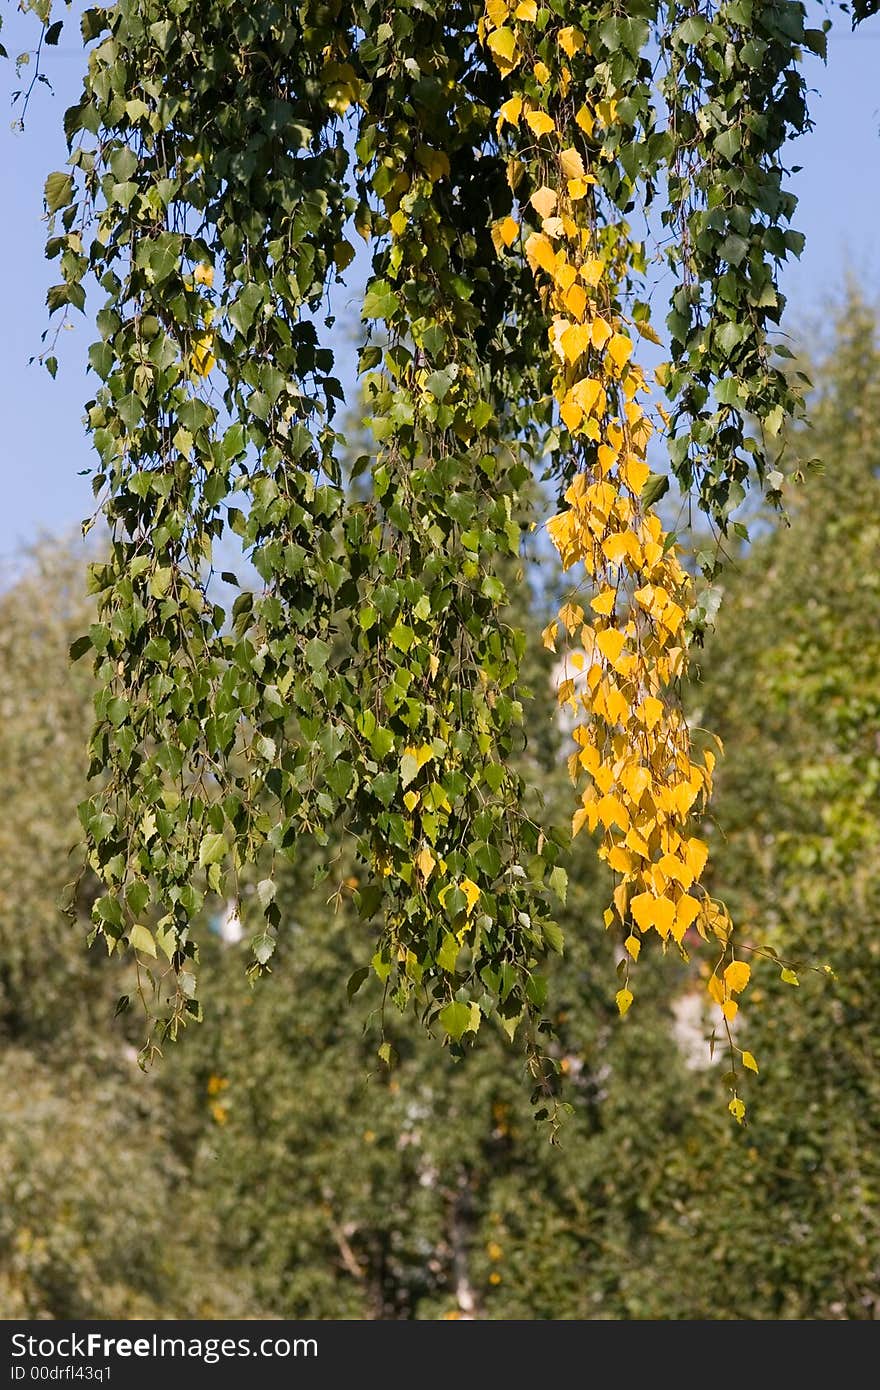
column 141, row 939
column 438, row 383
column 381, row 966
column 728, row 144
column 243, row 311
column 58, row 191
column 384, row 786
column 212, row 850
column 317, row 653
column 266, row 890
column 79, row 647
column 493, row 588
column 448, row 953
column 559, row 883
column 263, row 947
column 455, row 1019
column 355, row 980
column 380, row 301
column 402, row 636
column 409, row 769
column 692, row 30
column 554, row 937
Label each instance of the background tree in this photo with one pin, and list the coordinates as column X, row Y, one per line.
column 97, row 1212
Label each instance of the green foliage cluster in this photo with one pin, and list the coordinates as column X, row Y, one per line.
column 268, row 1166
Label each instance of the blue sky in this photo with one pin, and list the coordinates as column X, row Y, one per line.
column 45, row 443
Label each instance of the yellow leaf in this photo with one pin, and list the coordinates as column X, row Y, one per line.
column 503, row 44
column 576, row 301
column 664, row 915
column 616, row 546
column 730, row 1009
column 647, row 331
column 697, row 854
column 202, row 359
column 623, row 998
column 527, row 11
column 510, row 112
column 789, row 977
column 539, row 122
column 204, row 274
column 496, row 11
column 608, row 917
column 571, row 615
column 674, row 868
column 540, row 252
column 572, row 164
column 570, row 40
column 589, row 394
column 578, row 188
column 592, row 271
column 620, row 895
column 635, row 474
column 508, row 230
column 737, row 976
column 650, row 711
column 571, row 414
column 411, row 800
column 620, row 859
column 604, row 776
column 542, row 72
column 425, row 862
column 548, row 636
column 584, row 119
column 599, row 333
column 633, row 945
column 543, row 200
column 471, row 892
column 575, row 341
column 749, row 1061
column 423, row 753
column 606, row 457
column 716, row 990
column 620, row 350
column 642, row 909
column 603, row 603
column 636, row 780
column 612, row 812
column 610, row 644
column 716, row 919
column 737, row 1109
column 579, row 820
column 687, row 912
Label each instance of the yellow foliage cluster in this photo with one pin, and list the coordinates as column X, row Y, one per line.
column 628, row 653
